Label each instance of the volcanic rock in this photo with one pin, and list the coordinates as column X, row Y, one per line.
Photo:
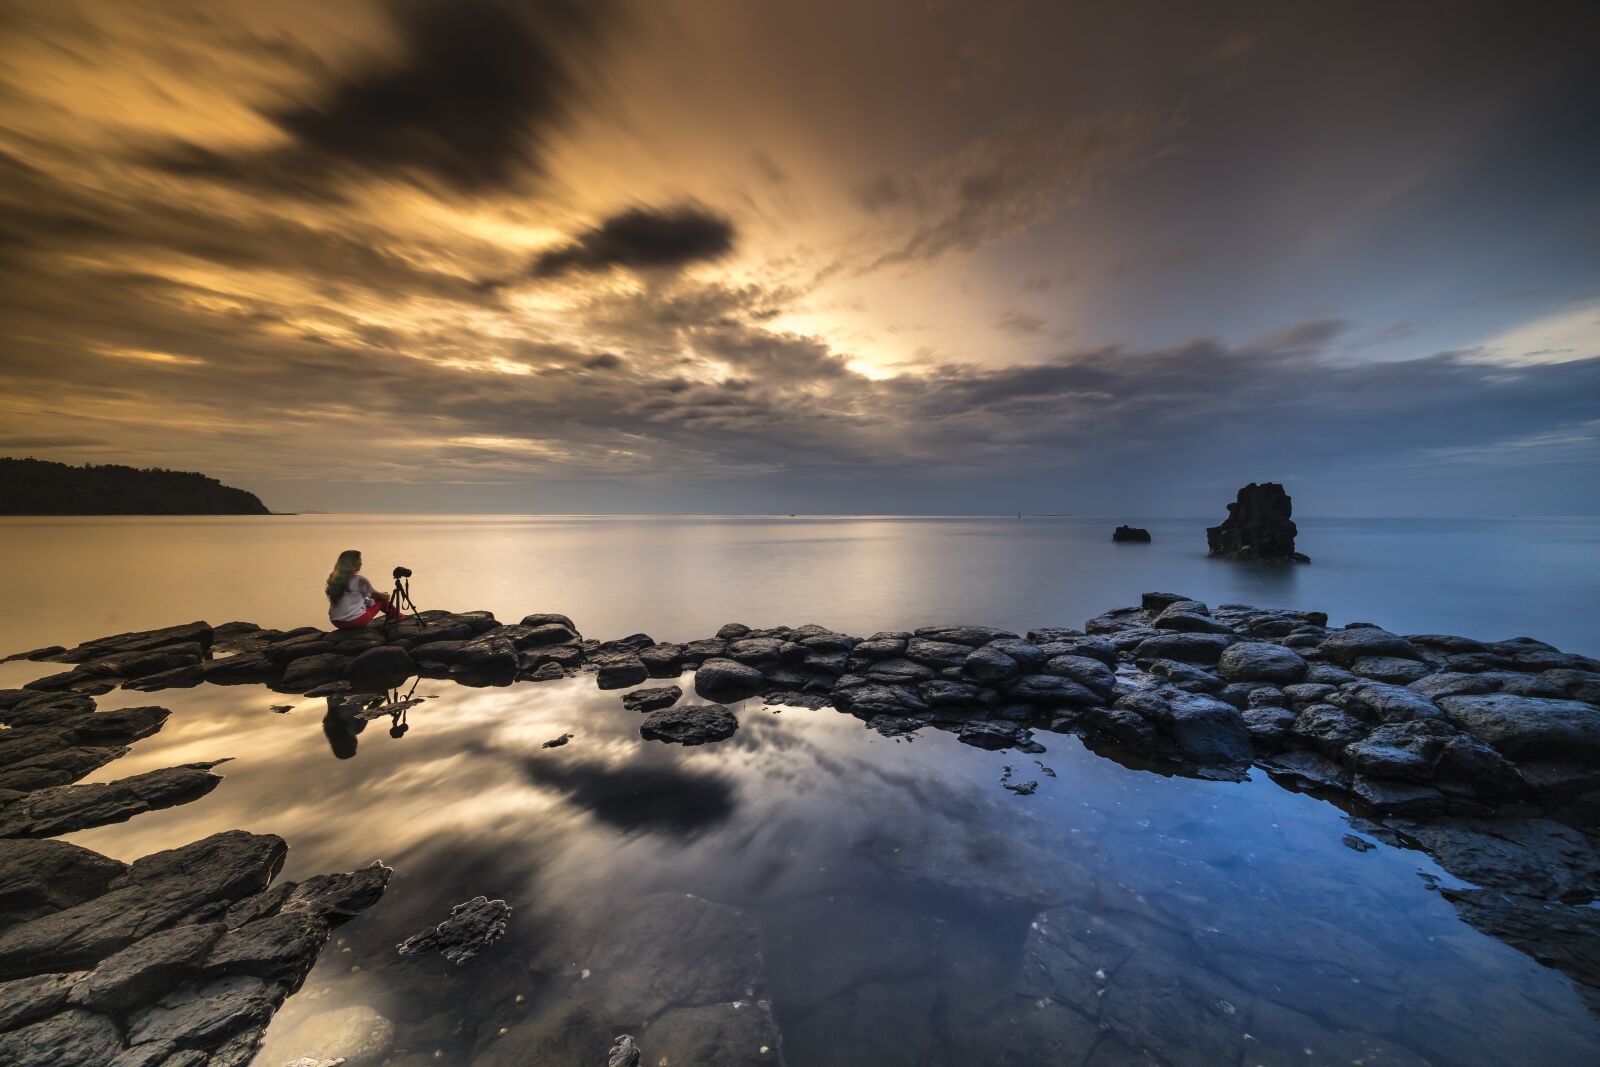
column 1130, row 534
column 1257, row 527
column 696, row 724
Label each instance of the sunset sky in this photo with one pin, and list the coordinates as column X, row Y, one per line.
column 760, row 256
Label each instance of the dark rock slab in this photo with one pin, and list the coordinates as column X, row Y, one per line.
column 971, row 636
column 148, row 969
column 68, row 808
column 1200, row 650
column 73, row 1038
column 697, row 724
column 1256, row 661
column 1528, row 727
column 39, row 877
column 1353, row 643
column 155, row 892
column 653, row 699
column 618, row 670
column 1131, row 535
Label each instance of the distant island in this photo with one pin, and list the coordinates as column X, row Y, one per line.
column 40, row 487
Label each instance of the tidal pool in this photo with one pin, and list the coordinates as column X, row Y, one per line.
column 813, row 891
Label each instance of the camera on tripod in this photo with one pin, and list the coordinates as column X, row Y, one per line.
column 401, row 597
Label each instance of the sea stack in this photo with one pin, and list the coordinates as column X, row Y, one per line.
column 1257, row 527
column 1131, row 534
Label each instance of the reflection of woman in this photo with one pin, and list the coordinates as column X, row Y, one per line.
column 341, row 728
column 352, row 602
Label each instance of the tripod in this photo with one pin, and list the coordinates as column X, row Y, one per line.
column 401, row 601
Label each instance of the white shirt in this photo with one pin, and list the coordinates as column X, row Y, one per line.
column 354, row 602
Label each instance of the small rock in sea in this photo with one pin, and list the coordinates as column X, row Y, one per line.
column 624, row 1053
column 471, row 928
column 1131, row 534
column 281, row 708
column 653, row 699
column 1045, row 770
column 557, row 742
column 1351, row 841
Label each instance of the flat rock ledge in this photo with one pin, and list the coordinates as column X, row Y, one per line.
column 181, row 957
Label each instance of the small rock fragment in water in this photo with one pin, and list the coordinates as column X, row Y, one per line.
column 624, row 1053
column 472, row 927
column 1022, row 789
column 1043, row 769
column 1351, row 841
column 281, row 708
column 557, row 742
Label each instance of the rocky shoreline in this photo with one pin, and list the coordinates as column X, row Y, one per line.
column 1484, row 755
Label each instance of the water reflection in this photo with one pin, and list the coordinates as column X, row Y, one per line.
column 895, row 884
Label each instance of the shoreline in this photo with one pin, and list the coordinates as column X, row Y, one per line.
column 1483, row 755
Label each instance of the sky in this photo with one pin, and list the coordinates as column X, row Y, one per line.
column 821, row 257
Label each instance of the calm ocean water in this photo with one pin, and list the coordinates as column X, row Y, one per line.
column 896, row 886
column 678, row 578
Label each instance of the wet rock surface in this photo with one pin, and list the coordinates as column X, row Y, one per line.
column 1483, row 754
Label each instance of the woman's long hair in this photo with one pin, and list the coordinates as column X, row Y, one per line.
column 339, row 580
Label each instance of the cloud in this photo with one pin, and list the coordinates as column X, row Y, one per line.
column 642, row 238
column 1019, row 322
column 1002, row 183
column 1561, row 336
column 467, row 105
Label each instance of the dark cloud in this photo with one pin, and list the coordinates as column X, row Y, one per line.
column 1019, row 322
column 642, row 238
column 467, row 105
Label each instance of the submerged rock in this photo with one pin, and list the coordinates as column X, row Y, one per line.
column 471, row 928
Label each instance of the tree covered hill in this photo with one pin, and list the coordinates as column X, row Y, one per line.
column 39, row 487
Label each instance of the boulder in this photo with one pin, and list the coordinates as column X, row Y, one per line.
column 1328, row 728
column 1528, row 727
column 1092, row 674
column 725, row 680
column 1255, row 661
column 1258, row 526
column 1391, row 669
column 697, row 724
column 618, row 670
column 1051, row 691
column 1131, row 535
column 1392, row 703
column 68, row 808
column 662, row 660
column 971, row 636
column 1351, row 644
column 990, row 664
column 487, row 656
column 379, row 669
column 652, row 699
column 1207, row 730
column 1201, row 650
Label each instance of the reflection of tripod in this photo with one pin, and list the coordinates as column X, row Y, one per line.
column 400, row 601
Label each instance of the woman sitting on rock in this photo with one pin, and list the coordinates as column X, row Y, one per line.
column 352, row 602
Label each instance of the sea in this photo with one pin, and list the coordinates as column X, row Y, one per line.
column 908, row 908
